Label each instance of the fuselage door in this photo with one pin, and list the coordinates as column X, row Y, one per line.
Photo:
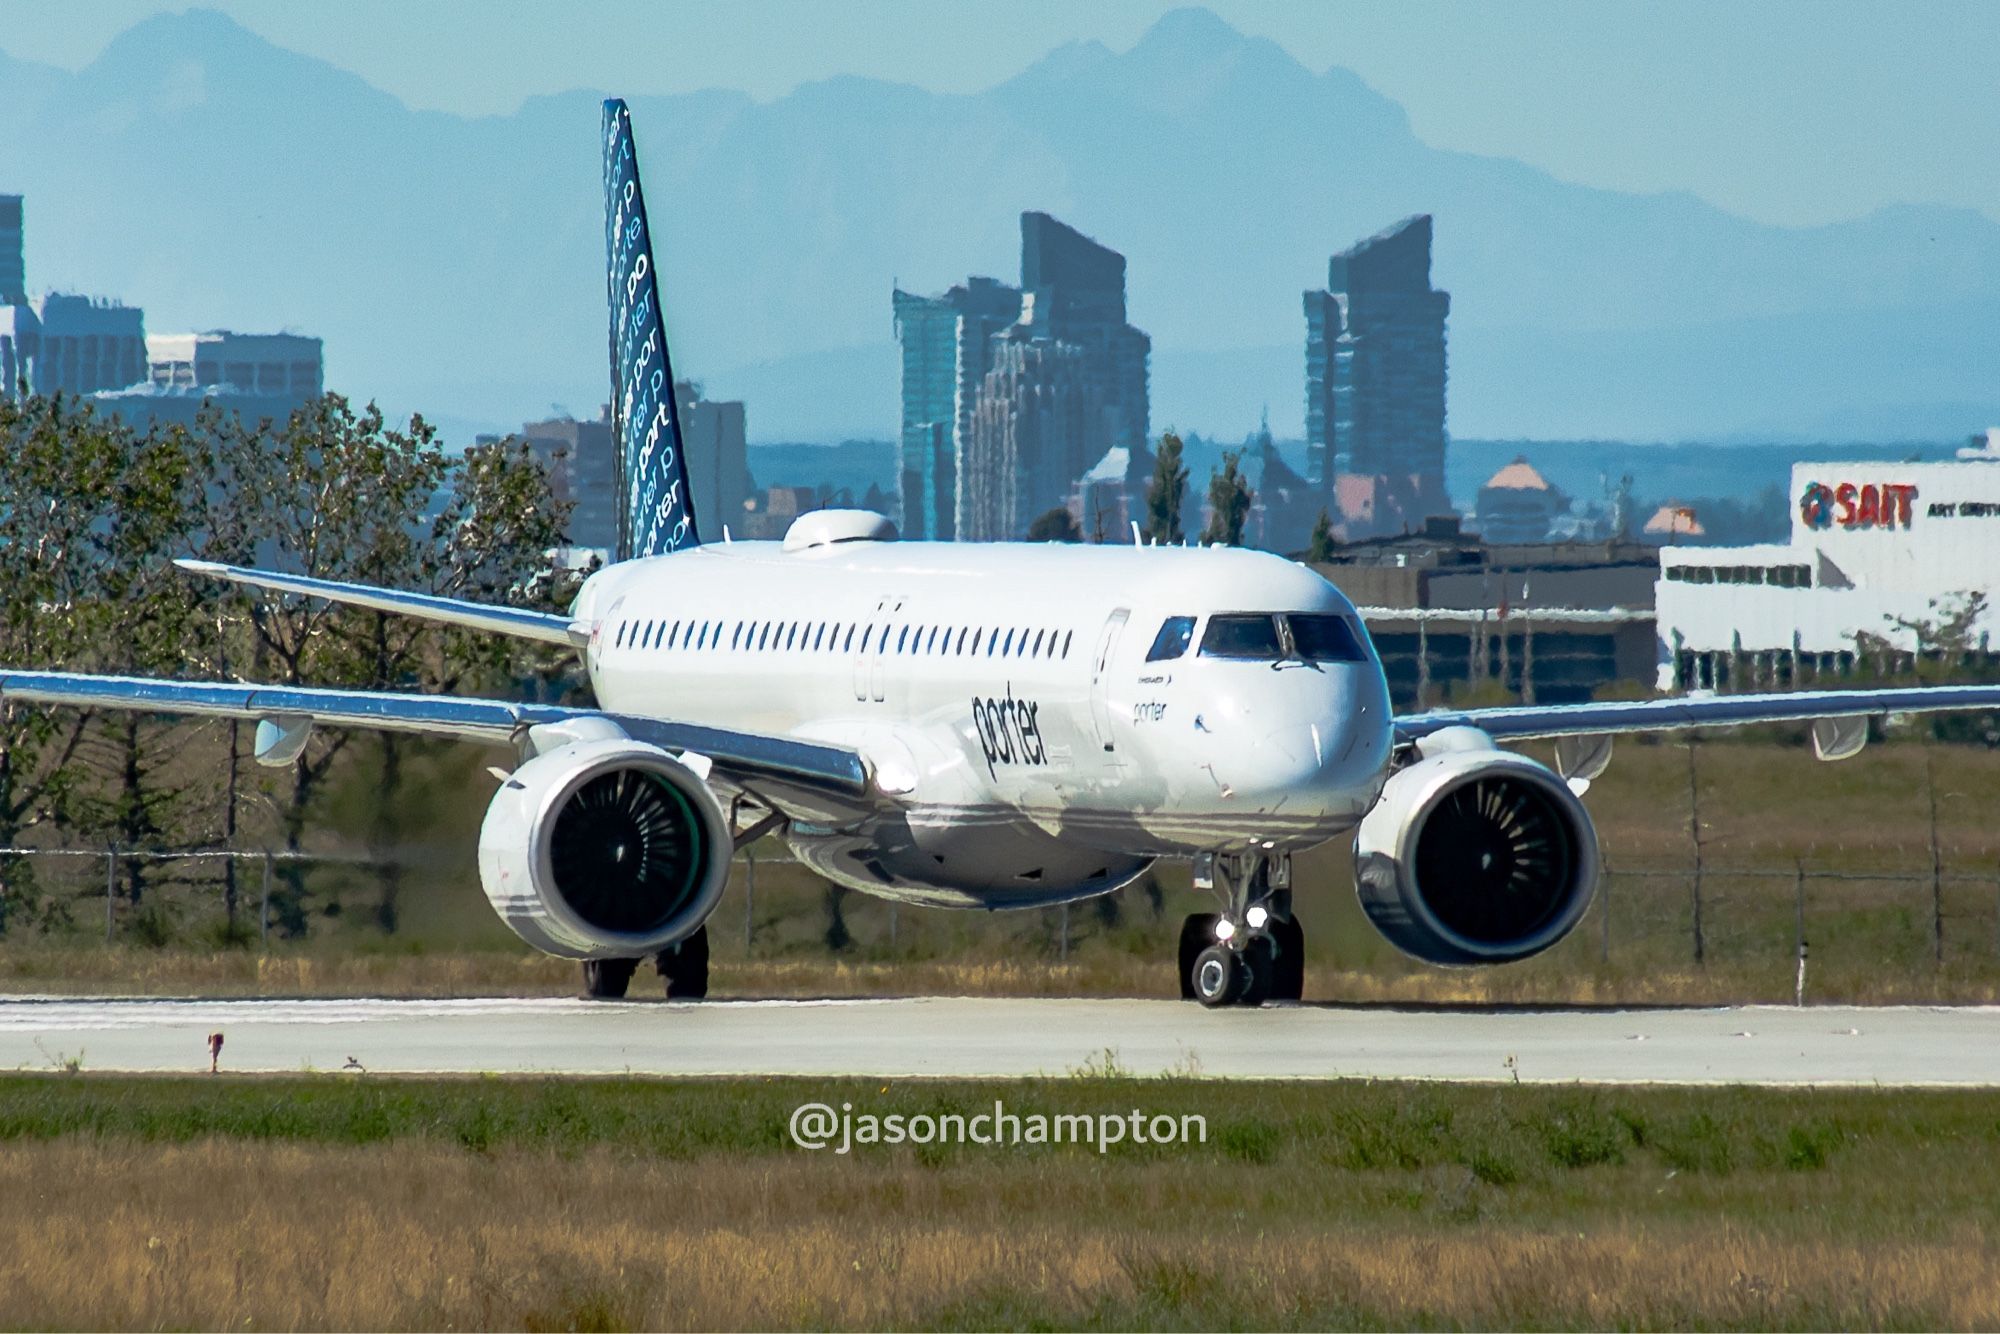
column 1100, row 675
column 869, row 683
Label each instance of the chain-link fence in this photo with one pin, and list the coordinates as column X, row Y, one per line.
column 1810, row 922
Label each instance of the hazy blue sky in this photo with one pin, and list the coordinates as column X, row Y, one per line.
column 1796, row 112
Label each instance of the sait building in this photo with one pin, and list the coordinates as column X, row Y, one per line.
column 1880, row 554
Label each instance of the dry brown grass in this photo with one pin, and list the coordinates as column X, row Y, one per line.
column 234, row 1234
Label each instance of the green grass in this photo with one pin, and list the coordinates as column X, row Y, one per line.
column 1506, row 1136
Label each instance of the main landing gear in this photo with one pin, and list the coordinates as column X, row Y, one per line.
column 683, row 967
column 1254, row 952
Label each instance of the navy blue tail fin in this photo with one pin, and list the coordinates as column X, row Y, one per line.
column 655, row 509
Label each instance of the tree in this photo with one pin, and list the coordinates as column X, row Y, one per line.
column 333, row 494
column 1055, row 526
column 1165, row 494
column 59, row 466
column 1320, row 550
column 145, row 618
column 1229, row 498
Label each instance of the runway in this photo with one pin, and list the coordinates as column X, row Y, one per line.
column 1006, row 1038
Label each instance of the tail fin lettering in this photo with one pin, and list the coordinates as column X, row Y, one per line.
column 655, row 510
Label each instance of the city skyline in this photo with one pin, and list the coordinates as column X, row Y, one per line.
column 1646, row 317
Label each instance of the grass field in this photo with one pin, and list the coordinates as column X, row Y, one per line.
column 336, row 1202
column 1766, row 808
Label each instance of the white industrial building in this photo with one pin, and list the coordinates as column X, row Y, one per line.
column 1879, row 553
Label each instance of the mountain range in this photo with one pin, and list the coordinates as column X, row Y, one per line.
column 455, row 265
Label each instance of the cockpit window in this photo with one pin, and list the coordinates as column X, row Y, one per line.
column 1325, row 639
column 1241, row 637
column 1172, row 641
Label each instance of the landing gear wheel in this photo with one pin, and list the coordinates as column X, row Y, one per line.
column 1288, row 974
column 1197, row 934
column 1217, row 976
column 606, row 979
column 1256, row 966
column 685, row 967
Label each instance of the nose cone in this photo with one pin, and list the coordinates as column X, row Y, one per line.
column 1315, row 747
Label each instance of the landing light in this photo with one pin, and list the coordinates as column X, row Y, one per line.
column 1257, row 916
column 1224, row 929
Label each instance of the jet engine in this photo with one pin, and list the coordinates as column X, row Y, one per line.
column 1475, row 856
column 604, row 848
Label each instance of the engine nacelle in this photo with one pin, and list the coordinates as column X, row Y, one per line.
column 1475, row 856
column 604, row 849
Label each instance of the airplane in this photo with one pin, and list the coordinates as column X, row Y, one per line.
column 974, row 725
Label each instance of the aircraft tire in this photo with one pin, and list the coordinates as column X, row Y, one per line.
column 684, row 966
column 1217, row 976
column 607, row 979
column 1197, row 934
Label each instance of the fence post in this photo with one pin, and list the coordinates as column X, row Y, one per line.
column 1799, row 932
column 749, row 898
column 1062, row 948
column 892, row 924
column 264, row 906
column 1694, row 829
column 110, row 890
column 1937, row 861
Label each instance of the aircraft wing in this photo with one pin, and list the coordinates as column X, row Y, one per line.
column 1526, row 721
column 514, row 621
column 739, row 757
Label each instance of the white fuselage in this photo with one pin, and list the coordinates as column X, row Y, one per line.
column 1003, row 699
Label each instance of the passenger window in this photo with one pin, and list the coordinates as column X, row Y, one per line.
column 848, row 646
column 902, row 637
column 1067, row 636
column 791, row 634
column 1241, row 637
column 963, row 631
column 819, row 634
column 1007, row 646
column 736, row 636
column 930, row 645
column 763, row 636
column 1036, row 651
column 1176, row 633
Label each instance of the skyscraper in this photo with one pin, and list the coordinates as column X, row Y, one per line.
column 1031, row 433
column 1375, row 367
column 1078, row 288
column 1072, row 385
column 20, row 330
column 714, row 433
column 946, row 341
column 13, row 253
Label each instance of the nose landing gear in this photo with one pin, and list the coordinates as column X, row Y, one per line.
column 1254, row 952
